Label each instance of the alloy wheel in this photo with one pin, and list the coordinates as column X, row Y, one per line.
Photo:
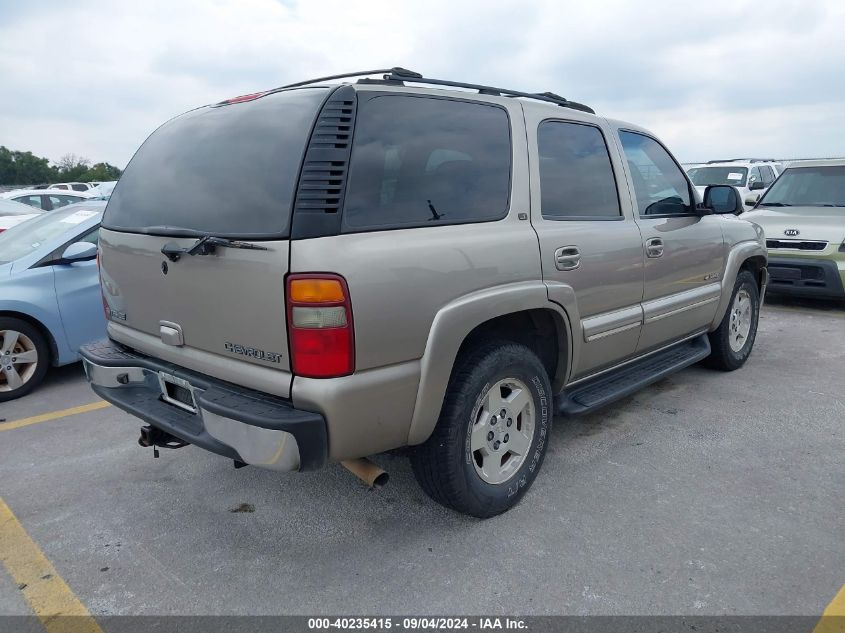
column 502, row 431
column 18, row 360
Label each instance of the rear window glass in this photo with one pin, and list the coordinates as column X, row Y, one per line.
column 419, row 161
column 228, row 171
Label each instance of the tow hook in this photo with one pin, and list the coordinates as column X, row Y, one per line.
column 155, row 437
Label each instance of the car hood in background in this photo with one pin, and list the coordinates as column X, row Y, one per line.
column 813, row 223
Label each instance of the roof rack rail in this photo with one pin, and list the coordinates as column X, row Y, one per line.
column 401, row 75
column 360, row 73
column 548, row 97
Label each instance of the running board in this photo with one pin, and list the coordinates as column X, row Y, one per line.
column 604, row 389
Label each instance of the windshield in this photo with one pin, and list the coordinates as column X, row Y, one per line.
column 703, row 176
column 27, row 237
column 228, row 170
column 808, row 187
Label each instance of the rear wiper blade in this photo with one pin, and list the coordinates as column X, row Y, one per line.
column 206, row 245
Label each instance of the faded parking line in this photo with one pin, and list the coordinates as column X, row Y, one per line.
column 55, row 415
column 49, row 597
column 833, row 618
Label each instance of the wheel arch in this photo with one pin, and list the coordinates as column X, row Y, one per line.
column 756, row 265
column 43, row 329
column 517, row 312
column 750, row 255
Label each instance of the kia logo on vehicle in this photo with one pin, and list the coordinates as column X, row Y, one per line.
column 791, row 232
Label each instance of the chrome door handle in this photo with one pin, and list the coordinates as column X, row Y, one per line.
column 654, row 247
column 567, row 258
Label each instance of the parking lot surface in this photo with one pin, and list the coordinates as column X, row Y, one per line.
column 707, row 493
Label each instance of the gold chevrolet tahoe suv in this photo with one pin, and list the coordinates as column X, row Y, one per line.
column 335, row 268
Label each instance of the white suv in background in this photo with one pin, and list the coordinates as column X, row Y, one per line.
column 751, row 176
column 73, row 186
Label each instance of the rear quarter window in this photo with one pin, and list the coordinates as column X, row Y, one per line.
column 228, row 170
column 32, row 201
column 424, row 161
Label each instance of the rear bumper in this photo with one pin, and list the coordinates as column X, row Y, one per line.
column 805, row 276
column 232, row 421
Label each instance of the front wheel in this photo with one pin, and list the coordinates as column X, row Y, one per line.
column 492, row 434
column 24, row 358
column 732, row 341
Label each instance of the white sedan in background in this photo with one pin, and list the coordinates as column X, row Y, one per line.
column 47, row 199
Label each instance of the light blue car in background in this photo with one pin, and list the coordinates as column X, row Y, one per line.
column 50, row 300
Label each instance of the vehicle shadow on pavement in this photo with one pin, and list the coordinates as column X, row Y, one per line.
column 836, row 306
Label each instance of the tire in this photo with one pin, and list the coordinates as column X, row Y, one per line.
column 472, row 472
column 728, row 351
column 20, row 340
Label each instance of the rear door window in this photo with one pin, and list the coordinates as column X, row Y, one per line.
column 576, row 177
column 228, row 170
column 59, row 200
column 420, row 161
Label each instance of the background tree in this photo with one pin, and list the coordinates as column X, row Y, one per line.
column 101, row 172
column 71, row 167
column 23, row 168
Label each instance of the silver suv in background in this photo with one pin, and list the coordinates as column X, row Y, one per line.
column 327, row 270
column 751, row 176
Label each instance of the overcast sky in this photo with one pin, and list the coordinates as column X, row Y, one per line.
column 713, row 78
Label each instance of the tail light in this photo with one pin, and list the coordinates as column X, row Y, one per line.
column 322, row 341
column 106, row 310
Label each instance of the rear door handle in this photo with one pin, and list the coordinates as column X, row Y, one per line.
column 654, row 247
column 567, row 258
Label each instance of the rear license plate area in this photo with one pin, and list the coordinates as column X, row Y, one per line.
column 178, row 392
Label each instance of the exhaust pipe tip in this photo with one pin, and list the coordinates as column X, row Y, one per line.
column 381, row 480
column 367, row 471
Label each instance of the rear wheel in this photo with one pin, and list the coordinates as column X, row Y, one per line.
column 492, row 434
column 24, row 358
column 733, row 340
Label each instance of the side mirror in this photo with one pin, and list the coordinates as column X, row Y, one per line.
column 752, row 200
column 79, row 252
column 757, row 185
column 723, row 199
